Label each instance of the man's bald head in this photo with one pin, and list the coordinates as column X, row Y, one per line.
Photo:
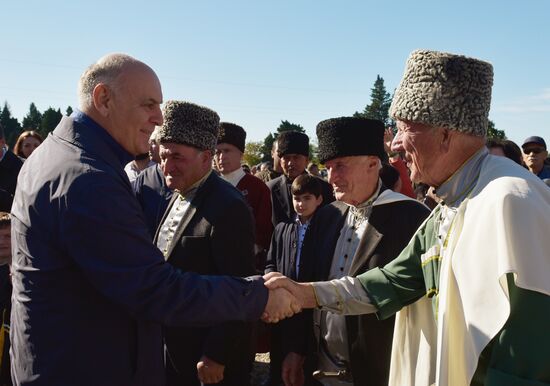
column 107, row 71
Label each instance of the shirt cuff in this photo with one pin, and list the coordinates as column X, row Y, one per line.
column 345, row 296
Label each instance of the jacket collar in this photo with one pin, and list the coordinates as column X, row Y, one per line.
column 89, row 136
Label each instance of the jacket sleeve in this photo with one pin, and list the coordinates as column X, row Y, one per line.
column 103, row 231
column 233, row 252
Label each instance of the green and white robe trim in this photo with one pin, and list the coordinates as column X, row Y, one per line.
column 497, row 247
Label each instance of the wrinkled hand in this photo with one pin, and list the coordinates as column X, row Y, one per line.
column 388, row 139
column 293, row 369
column 280, row 304
column 209, row 371
column 303, row 292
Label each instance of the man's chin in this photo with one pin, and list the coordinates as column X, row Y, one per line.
column 170, row 184
column 340, row 196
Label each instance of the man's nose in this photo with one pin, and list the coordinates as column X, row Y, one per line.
column 166, row 166
column 396, row 144
column 331, row 177
column 157, row 118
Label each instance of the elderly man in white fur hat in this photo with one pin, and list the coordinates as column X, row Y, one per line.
column 471, row 289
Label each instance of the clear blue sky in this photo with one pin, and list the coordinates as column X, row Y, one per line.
column 259, row 62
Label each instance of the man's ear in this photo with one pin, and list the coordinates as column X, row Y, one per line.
column 374, row 162
column 446, row 138
column 102, row 97
column 207, row 155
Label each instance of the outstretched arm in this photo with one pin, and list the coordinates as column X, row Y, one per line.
column 344, row 296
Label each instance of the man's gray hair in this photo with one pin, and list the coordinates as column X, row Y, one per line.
column 106, row 70
column 155, row 136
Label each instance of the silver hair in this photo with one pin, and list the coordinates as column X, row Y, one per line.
column 106, row 70
column 155, row 136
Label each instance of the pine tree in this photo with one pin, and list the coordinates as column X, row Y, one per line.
column 33, row 119
column 268, row 141
column 287, row 126
column 50, row 119
column 69, row 111
column 267, row 146
column 12, row 128
column 380, row 104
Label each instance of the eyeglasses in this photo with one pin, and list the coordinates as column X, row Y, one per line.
column 535, row 150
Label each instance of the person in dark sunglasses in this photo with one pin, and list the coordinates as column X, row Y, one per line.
column 534, row 156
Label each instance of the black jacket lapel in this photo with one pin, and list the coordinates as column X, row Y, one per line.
column 369, row 240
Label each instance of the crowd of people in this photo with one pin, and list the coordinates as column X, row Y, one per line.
column 137, row 249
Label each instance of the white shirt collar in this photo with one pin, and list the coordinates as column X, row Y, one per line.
column 234, row 177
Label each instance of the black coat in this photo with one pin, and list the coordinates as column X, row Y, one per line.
column 90, row 289
column 215, row 237
column 9, row 170
column 281, row 199
column 153, row 195
column 389, row 229
column 288, row 335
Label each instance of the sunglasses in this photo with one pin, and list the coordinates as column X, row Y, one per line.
column 536, row 150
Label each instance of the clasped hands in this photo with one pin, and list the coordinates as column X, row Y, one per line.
column 286, row 297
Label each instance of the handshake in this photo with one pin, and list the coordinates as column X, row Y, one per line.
column 286, row 297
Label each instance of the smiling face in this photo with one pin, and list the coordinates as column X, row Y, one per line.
column 133, row 108
column 183, row 165
column 420, row 145
column 354, row 179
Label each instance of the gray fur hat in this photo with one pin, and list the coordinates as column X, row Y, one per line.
column 189, row 124
column 445, row 90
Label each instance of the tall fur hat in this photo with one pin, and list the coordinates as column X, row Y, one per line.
column 445, row 90
column 349, row 136
column 292, row 142
column 189, row 124
column 232, row 134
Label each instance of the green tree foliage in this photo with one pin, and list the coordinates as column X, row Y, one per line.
column 380, row 104
column 50, row 119
column 267, row 146
column 253, row 153
column 33, row 119
column 268, row 141
column 493, row 132
column 287, row 126
column 313, row 151
column 69, row 111
column 12, row 128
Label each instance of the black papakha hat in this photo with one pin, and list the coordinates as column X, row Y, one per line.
column 232, row 134
column 349, row 136
column 292, row 142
